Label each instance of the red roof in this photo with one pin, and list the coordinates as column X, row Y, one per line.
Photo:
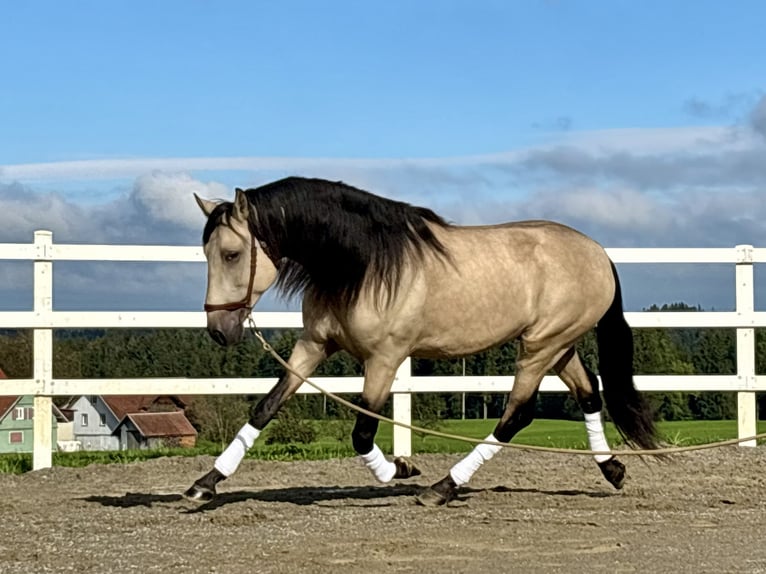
column 122, row 405
column 6, row 403
column 171, row 424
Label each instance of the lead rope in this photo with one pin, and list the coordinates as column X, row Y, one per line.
column 634, row 452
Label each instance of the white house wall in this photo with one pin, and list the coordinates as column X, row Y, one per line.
column 94, row 436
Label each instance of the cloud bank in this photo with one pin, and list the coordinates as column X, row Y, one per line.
column 694, row 187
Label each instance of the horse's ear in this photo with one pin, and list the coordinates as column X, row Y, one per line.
column 241, row 205
column 205, row 205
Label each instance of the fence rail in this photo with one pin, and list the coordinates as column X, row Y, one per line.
column 43, row 320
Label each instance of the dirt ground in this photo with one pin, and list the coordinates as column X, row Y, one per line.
column 524, row 512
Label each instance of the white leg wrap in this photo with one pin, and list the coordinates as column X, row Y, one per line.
column 462, row 472
column 381, row 469
column 596, row 436
column 230, row 458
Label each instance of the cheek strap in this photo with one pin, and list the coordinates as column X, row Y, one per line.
column 245, row 302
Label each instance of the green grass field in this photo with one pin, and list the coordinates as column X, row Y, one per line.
column 334, row 442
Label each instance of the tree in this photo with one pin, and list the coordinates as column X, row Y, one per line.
column 217, row 418
column 16, row 354
column 116, row 353
column 760, row 367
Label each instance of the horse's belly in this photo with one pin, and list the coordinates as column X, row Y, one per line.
column 466, row 336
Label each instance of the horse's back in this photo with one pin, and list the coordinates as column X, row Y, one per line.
column 503, row 280
column 538, row 255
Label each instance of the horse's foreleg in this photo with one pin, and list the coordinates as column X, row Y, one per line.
column 584, row 386
column 304, row 359
column 377, row 385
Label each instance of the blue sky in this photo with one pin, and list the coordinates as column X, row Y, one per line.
column 643, row 124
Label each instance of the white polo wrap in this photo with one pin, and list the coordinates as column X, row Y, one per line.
column 462, row 472
column 596, row 436
column 381, row 469
column 230, row 458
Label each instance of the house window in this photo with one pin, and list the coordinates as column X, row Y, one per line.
column 18, row 414
column 84, row 419
column 102, row 420
column 16, row 437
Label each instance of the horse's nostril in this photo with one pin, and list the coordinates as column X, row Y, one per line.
column 218, row 336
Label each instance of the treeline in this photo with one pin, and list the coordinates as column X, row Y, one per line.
column 119, row 353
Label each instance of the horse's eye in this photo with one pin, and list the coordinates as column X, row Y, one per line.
column 231, row 256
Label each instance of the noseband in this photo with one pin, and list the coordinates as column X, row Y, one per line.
column 243, row 303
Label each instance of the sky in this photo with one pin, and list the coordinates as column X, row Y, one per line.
column 643, row 124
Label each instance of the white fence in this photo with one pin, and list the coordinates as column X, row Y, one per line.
column 43, row 319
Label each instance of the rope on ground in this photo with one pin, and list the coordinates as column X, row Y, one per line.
column 527, row 447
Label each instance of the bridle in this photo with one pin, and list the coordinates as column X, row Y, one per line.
column 244, row 303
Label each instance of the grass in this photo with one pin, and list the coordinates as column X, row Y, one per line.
column 552, row 433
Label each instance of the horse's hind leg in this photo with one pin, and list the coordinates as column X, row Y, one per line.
column 584, row 386
column 378, row 378
column 519, row 413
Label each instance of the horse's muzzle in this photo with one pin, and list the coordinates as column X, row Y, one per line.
column 218, row 336
column 225, row 327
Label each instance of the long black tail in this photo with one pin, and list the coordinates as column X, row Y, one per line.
column 629, row 410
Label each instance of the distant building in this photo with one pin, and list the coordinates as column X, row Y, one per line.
column 152, row 430
column 122, row 422
column 17, row 423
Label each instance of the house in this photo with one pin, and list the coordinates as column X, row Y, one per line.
column 118, row 422
column 152, row 430
column 17, row 423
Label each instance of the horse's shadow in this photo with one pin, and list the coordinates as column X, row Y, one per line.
column 300, row 495
column 305, row 495
column 563, row 492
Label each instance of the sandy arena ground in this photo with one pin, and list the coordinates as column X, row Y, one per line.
column 524, row 512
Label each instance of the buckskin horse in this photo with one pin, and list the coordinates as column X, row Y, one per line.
column 385, row 280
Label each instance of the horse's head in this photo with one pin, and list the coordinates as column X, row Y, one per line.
column 238, row 269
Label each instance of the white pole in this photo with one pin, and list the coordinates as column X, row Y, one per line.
column 747, row 412
column 403, row 412
column 43, row 351
column 462, row 399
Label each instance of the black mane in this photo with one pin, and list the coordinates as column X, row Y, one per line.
column 330, row 238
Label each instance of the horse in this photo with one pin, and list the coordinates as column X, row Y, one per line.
column 385, row 280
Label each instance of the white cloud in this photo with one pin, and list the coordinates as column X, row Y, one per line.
column 633, row 187
column 131, row 168
column 610, row 209
column 167, row 197
column 23, row 211
column 633, row 141
column 654, row 141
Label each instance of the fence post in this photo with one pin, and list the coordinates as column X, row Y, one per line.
column 43, row 351
column 403, row 412
column 747, row 412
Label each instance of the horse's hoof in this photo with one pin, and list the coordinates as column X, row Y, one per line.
column 430, row 497
column 614, row 471
column 439, row 494
column 405, row 468
column 199, row 493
